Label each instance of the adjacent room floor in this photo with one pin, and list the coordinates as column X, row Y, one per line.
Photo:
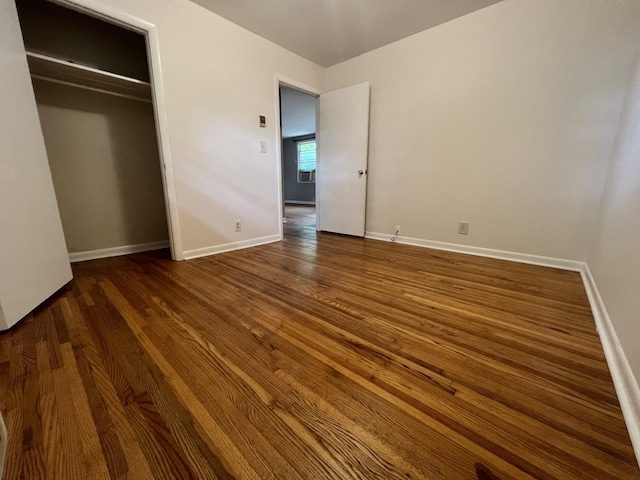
column 301, row 220
column 321, row 356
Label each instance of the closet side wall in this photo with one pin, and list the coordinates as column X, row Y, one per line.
column 105, row 166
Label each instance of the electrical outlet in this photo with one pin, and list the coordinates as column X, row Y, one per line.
column 238, row 226
column 397, row 228
column 263, row 146
column 463, row 228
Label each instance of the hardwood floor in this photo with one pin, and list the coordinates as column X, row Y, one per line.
column 301, row 221
column 318, row 357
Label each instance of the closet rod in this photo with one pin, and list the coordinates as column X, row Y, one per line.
column 93, row 89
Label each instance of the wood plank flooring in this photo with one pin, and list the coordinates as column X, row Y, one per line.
column 319, row 357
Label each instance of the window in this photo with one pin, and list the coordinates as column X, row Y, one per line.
column 307, row 161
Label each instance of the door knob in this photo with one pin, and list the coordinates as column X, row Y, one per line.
column 360, row 173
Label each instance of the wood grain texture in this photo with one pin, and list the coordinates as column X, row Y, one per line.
column 319, row 357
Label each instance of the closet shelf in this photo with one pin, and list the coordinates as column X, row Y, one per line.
column 60, row 71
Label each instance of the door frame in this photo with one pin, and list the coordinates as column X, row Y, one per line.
column 280, row 80
column 118, row 17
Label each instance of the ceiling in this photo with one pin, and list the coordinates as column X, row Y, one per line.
column 297, row 112
column 331, row 31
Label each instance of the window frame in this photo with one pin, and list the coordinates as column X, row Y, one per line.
column 300, row 173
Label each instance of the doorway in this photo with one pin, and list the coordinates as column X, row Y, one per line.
column 298, row 157
column 341, row 143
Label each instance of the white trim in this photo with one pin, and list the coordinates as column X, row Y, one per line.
column 228, row 247
column 623, row 379
column 4, row 440
column 164, row 145
column 304, row 88
column 116, row 251
column 627, row 388
column 298, row 202
column 118, row 17
column 483, row 252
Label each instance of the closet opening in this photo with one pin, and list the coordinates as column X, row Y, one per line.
column 99, row 117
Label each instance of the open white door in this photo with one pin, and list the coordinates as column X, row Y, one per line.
column 33, row 255
column 342, row 150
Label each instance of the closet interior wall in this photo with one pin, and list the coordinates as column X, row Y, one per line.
column 91, row 83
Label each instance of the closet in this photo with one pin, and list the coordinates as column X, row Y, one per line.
column 91, row 83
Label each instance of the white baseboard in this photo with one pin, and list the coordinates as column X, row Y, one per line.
column 116, row 251
column 483, row 252
column 298, row 202
column 623, row 379
column 4, row 439
column 227, row 247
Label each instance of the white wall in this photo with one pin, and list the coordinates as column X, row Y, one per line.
column 505, row 117
column 104, row 161
column 614, row 259
column 218, row 78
